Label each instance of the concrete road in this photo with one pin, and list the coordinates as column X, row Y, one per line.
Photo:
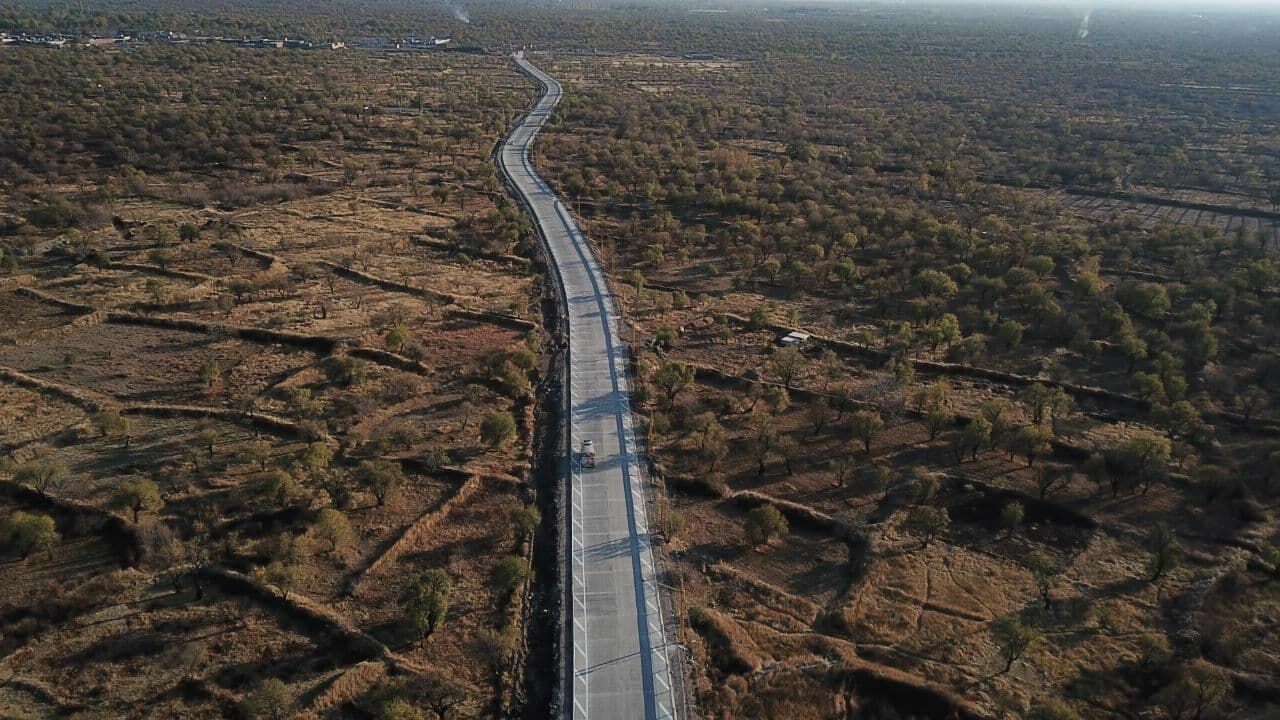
column 620, row 654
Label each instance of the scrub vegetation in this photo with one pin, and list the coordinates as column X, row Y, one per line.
column 272, row 344
column 1028, row 457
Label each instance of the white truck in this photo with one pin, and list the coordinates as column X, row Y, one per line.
column 588, row 455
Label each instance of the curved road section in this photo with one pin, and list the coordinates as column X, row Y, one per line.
column 620, row 663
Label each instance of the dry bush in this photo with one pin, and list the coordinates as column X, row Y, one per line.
column 346, row 688
column 728, row 644
column 61, row 603
column 157, row 544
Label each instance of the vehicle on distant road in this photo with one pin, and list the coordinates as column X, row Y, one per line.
column 588, row 456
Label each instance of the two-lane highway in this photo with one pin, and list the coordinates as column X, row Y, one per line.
column 620, row 657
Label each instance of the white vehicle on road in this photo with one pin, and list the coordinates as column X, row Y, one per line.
column 588, row 456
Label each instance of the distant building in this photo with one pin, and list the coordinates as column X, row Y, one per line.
column 427, row 42
column 795, row 338
column 105, row 41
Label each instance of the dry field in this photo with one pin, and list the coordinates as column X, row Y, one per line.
column 854, row 610
column 259, row 368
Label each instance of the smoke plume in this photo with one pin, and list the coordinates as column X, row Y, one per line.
column 459, row 12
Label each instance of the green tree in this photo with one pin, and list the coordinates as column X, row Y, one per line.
column 41, row 475
column 161, row 257
column 1271, row 556
column 110, row 423
column 1199, row 687
column 1164, row 552
column 972, row 438
column 209, row 371
column 785, row 364
column 882, row 477
column 1148, row 300
column 157, row 289
column 924, row 484
column 1041, row 401
column 207, row 438
column 759, row 318
column 382, row 478
column 27, row 532
column 284, row 575
column 315, row 458
column 1146, row 385
column 1032, row 442
column 1132, row 347
column 271, row 700
column 1013, row 639
column 635, row 279
column 763, row 524
column 397, row 338
column 935, row 283
column 1048, row 477
column 665, row 337
column 706, row 428
column 672, row 378
column 776, row 399
column 864, row 425
column 498, row 429
column 334, row 529
column 524, row 521
column 346, row 370
column 1011, row 517
column 1143, row 456
column 927, row 522
column 281, row 487
column 257, row 452
column 937, row 419
column 820, row 414
column 509, row 575
column 1010, row 333
column 1044, row 570
column 138, row 495
column 934, row 403
column 425, row 599
column 802, row 151
column 1095, row 468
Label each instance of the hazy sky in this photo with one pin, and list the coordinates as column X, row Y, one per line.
column 1269, row 6
column 1191, row 5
